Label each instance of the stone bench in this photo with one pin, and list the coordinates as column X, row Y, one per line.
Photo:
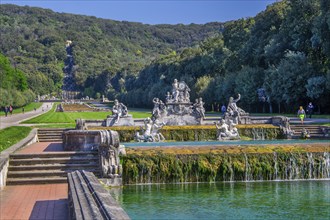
column 89, row 200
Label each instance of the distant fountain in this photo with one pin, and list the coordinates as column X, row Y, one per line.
column 178, row 110
column 69, row 88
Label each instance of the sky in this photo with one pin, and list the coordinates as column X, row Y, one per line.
column 155, row 11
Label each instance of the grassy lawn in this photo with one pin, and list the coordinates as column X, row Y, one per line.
column 70, row 117
column 12, row 135
column 29, row 107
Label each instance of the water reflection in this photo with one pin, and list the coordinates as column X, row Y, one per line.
column 227, row 200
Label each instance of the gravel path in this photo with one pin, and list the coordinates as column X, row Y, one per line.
column 16, row 119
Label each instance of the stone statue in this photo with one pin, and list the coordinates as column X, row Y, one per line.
column 226, row 130
column 81, row 124
column 169, row 97
column 157, row 136
column 159, row 109
column 233, row 111
column 156, row 109
column 305, row 133
column 175, row 90
column 151, row 131
column 118, row 110
column 198, row 108
column 146, row 136
column 232, row 106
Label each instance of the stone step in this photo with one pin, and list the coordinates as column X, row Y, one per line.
column 311, row 137
column 310, row 132
column 302, row 127
column 49, row 167
column 50, row 140
column 53, row 167
column 55, row 154
column 49, row 135
column 26, row 181
column 45, row 173
column 51, row 129
column 62, row 160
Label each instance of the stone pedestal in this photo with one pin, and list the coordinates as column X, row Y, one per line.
column 81, row 140
column 245, row 119
column 123, row 121
column 181, row 120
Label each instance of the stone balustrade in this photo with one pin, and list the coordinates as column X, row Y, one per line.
column 89, row 200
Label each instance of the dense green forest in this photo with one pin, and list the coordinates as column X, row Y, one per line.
column 285, row 50
column 13, row 85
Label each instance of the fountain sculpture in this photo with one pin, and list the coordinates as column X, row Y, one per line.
column 226, row 130
column 238, row 115
column 178, row 110
column 150, row 132
column 120, row 116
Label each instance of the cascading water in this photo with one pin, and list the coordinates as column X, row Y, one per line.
column 310, row 165
column 225, row 167
column 69, row 87
column 247, row 169
column 258, row 134
column 275, row 166
column 326, row 165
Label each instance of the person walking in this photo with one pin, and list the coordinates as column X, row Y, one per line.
column 301, row 114
column 223, row 109
column 23, row 110
column 11, row 110
column 6, row 110
column 310, row 109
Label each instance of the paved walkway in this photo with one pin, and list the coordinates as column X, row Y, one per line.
column 47, row 201
column 44, row 201
column 15, row 119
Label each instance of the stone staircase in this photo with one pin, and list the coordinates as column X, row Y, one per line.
column 315, row 131
column 49, row 167
column 50, row 134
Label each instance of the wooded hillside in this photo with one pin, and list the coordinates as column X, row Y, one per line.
column 285, row 50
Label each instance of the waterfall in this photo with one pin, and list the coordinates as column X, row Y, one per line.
column 248, row 176
column 310, row 165
column 275, row 166
column 258, row 134
column 326, row 165
column 225, row 167
column 69, row 87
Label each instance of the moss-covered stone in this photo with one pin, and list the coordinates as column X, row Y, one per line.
column 215, row 164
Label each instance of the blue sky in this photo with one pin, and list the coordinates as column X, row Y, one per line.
column 155, row 11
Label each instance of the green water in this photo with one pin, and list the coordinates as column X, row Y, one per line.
column 236, row 200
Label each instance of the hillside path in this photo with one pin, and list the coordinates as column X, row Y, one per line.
column 15, row 119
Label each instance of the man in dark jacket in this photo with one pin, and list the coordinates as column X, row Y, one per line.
column 310, row 109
